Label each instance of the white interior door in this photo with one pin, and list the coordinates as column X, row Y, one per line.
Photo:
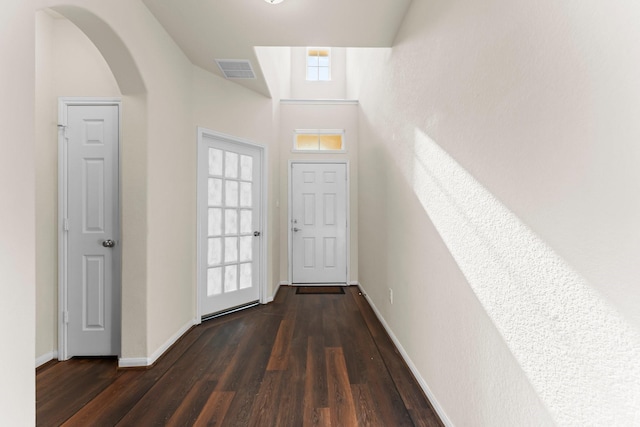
column 230, row 200
column 90, row 220
column 319, row 223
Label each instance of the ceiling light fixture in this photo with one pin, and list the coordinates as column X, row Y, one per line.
column 273, row 1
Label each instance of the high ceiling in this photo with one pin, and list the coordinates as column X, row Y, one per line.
column 230, row 29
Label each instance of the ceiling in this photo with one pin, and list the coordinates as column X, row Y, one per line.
column 230, row 29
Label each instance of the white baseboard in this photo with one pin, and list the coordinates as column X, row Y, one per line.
column 275, row 291
column 354, row 283
column 135, row 362
column 46, row 358
column 423, row 384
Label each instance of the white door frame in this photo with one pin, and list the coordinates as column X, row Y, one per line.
column 63, row 243
column 202, row 203
column 290, row 214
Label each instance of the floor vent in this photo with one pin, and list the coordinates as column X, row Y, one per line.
column 236, row 68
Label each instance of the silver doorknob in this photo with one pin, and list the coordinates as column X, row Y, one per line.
column 256, row 233
column 108, row 243
column 296, row 229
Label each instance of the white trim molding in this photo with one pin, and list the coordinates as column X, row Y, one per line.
column 137, row 362
column 63, row 104
column 47, row 357
column 423, row 384
column 319, row 101
column 275, row 291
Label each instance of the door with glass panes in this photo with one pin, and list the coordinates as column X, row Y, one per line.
column 230, row 175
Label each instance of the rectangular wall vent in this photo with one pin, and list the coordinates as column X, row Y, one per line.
column 236, row 68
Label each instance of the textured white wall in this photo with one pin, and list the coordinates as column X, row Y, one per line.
column 509, row 135
column 17, row 213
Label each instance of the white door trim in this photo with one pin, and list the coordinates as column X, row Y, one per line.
column 201, row 223
column 63, row 244
column 290, row 213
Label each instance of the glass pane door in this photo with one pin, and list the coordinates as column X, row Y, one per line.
column 232, row 217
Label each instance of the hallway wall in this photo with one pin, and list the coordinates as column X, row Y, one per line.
column 498, row 198
column 17, row 213
column 160, row 116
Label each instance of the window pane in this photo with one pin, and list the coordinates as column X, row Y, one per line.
column 246, row 248
column 215, row 222
column 230, row 165
column 215, row 192
column 331, row 142
column 214, row 281
column 312, row 73
column 245, row 276
column 307, row 142
column 246, row 168
column 323, row 61
column 231, row 193
column 245, row 194
column 318, row 52
column 230, row 249
column 231, row 278
column 214, row 255
column 215, row 161
column 312, row 60
column 246, row 225
column 230, row 221
column 323, row 74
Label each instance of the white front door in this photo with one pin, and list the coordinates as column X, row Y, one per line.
column 90, row 222
column 230, row 200
column 319, row 223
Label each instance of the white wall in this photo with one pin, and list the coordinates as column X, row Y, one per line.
column 496, row 191
column 17, row 213
column 46, row 192
column 318, row 116
column 275, row 62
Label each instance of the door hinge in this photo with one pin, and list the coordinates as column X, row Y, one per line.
column 64, row 130
column 65, row 224
column 65, row 317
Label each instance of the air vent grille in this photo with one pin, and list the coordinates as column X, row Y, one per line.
column 236, row 68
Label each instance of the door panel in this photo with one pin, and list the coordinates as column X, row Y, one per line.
column 230, row 260
column 319, row 223
column 92, row 304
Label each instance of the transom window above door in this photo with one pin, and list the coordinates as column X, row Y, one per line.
column 318, row 64
column 319, row 140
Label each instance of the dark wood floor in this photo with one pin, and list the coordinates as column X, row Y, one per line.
column 303, row 360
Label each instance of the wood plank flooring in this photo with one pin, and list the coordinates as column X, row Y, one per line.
column 303, row 360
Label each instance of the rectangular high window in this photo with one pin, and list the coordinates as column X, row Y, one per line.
column 318, row 64
column 319, row 140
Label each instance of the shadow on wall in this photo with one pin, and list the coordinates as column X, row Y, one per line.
column 577, row 351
